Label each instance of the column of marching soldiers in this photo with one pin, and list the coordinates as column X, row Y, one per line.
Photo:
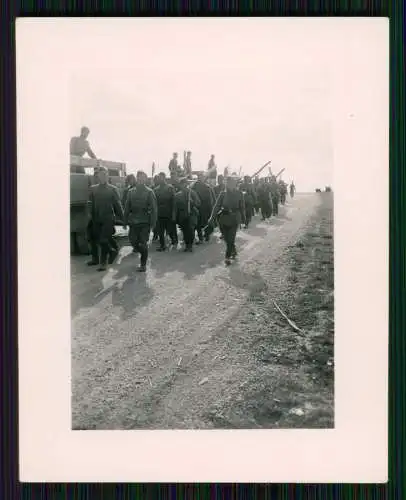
column 163, row 204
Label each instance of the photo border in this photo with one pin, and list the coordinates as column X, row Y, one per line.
column 8, row 254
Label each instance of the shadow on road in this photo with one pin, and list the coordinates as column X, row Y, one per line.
column 133, row 294
column 88, row 287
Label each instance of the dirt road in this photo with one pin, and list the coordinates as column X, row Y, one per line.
column 175, row 347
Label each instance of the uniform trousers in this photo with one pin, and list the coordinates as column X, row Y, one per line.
column 139, row 237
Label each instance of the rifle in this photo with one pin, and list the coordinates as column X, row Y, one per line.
column 277, row 175
column 262, row 168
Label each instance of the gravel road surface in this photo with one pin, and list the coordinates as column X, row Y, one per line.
column 166, row 349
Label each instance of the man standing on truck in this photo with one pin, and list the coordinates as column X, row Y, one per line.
column 79, row 146
column 211, row 171
column 174, row 167
column 105, row 207
column 140, row 213
column 187, row 167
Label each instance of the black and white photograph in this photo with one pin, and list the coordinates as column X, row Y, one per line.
column 202, row 247
column 213, row 255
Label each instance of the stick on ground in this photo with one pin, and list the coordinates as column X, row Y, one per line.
column 291, row 323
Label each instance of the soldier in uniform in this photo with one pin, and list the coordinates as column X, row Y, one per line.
column 247, row 189
column 129, row 184
column 230, row 210
column 105, row 207
column 188, row 164
column 79, row 146
column 140, row 214
column 165, row 197
column 207, row 200
column 173, row 165
column 283, row 191
column 292, row 189
column 187, row 205
column 275, row 195
column 264, row 199
column 257, row 203
column 220, row 185
column 211, row 171
column 217, row 190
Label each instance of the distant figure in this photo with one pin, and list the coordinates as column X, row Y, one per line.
column 292, row 189
column 188, row 164
column 211, row 171
column 174, row 167
column 275, row 195
column 283, row 191
column 79, row 146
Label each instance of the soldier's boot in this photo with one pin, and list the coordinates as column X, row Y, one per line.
column 103, row 257
column 144, row 257
column 95, row 255
column 113, row 255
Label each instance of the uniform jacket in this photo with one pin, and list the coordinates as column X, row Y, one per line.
column 187, row 204
column 205, row 194
column 230, row 208
column 250, row 197
column 141, row 206
column 165, row 197
column 105, row 205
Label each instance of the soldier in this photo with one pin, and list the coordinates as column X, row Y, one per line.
column 207, row 200
column 187, row 205
column 165, row 196
column 255, row 187
column 220, row 185
column 140, row 214
column 211, row 172
column 275, row 195
column 292, row 189
column 283, row 191
column 247, row 189
column 264, row 199
column 129, row 184
column 217, row 190
column 79, row 146
column 105, row 207
column 188, row 164
column 230, row 210
column 173, row 165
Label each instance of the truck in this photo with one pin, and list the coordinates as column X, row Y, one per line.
column 82, row 177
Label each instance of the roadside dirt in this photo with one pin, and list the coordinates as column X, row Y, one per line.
column 194, row 345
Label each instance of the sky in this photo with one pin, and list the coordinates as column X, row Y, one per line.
column 245, row 91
